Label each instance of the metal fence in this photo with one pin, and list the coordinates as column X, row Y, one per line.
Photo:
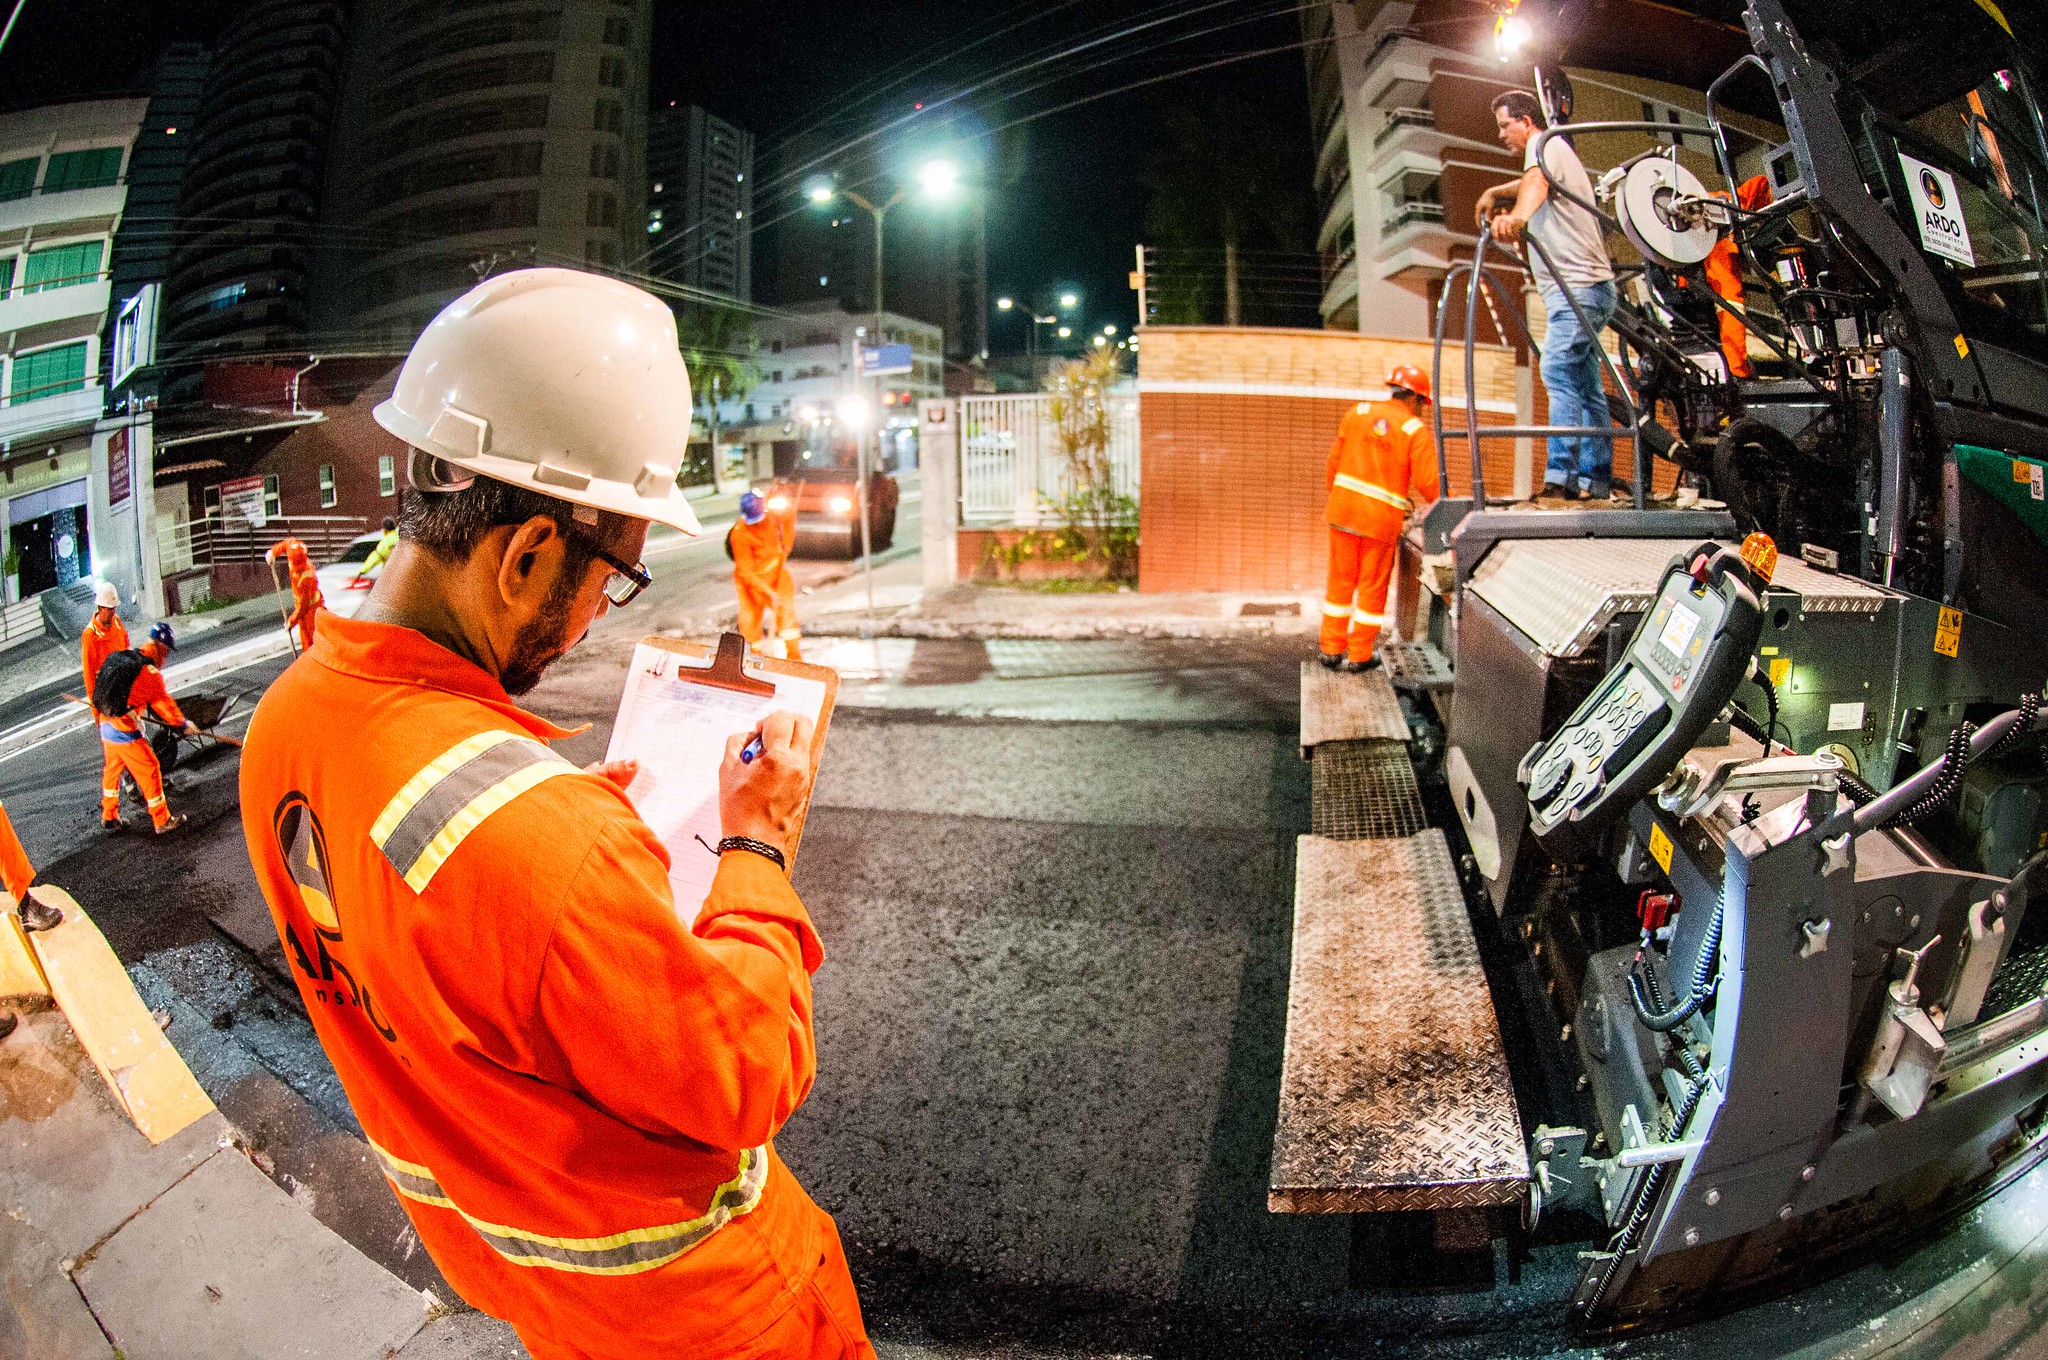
column 214, row 542
column 1011, row 466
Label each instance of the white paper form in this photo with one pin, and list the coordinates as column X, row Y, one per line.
column 677, row 730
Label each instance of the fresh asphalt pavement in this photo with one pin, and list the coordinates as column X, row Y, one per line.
column 1055, row 885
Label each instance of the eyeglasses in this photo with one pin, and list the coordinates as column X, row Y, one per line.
column 627, row 580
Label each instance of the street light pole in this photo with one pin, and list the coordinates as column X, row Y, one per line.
column 867, row 557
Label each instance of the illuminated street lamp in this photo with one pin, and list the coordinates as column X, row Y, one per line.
column 1069, row 301
column 1066, row 332
column 852, row 411
column 1110, row 329
column 1004, row 304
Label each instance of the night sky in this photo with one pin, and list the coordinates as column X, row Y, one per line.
column 1073, row 204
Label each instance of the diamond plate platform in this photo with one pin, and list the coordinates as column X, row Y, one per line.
column 1340, row 707
column 1417, row 665
column 1394, row 1092
column 1363, row 790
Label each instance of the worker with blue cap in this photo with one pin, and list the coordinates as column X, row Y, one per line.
column 759, row 545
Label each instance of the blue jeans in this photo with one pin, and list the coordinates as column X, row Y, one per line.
column 1570, row 366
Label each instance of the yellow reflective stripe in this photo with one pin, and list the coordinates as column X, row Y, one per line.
column 1411, row 425
column 1360, row 616
column 1336, row 611
column 422, row 783
column 483, row 805
column 1378, row 493
column 622, row 1253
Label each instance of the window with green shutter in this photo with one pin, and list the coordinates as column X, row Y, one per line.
column 101, row 165
column 62, row 266
column 18, row 178
column 47, row 372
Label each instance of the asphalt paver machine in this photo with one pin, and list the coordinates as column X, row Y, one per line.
column 1769, row 820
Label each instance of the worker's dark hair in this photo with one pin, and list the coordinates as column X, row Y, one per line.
column 1521, row 104
column 450, row 524
column 389, row 524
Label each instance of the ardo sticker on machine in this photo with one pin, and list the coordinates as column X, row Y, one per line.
column 1938, row 211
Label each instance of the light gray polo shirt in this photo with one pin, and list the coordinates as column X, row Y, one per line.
column 1570, row 233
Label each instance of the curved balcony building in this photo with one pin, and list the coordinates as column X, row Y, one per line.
column 242, row 267
column 481, row 134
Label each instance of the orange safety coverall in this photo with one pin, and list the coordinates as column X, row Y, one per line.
column 126, row 747
column 1724, row 276
column 306, row 606
column 16, row 873
column 1382, row 464
column 573, row 1089
column 760, row 571
column 96, row 644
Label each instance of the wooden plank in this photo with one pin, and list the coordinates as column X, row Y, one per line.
column 1394, row 1091
column 88, row 983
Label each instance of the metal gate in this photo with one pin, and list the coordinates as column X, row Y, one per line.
column 1011, row 467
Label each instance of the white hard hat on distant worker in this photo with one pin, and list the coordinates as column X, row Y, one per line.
column 104, row 596
column 566, row 383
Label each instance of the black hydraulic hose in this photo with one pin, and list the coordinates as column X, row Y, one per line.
column 1681, row 1050
column 1948, row 779
column 2030, row 708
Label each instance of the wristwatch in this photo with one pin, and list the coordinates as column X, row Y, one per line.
column 761, row 848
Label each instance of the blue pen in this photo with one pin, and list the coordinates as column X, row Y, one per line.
column 751, row 749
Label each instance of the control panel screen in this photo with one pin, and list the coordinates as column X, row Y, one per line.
column 1678, row 630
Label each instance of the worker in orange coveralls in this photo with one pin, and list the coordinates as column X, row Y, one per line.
column 1724, row 276
column 571, row 1079
column 306, row 599
column 104, row 633
column 16, row 873
column 1382, row 465
column 126, row 746
column 760, row 541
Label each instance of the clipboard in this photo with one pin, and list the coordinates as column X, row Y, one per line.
column 681, row 701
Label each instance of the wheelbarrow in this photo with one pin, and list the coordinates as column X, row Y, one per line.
column 205, row 712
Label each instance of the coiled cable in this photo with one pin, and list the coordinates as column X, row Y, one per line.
column 1656, row 1017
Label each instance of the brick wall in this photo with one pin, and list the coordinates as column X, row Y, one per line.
column 1234, row 429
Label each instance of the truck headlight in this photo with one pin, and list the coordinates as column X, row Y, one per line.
column 841, row 504
column 778, row 502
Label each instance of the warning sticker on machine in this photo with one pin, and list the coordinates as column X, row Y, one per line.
column 1660, row 848
column 1845, row 717
column 1937, row 210
column 2036, row 487
column 1948, row 631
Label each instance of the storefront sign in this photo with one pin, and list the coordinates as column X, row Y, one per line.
column 241, row 502
column 118, row 488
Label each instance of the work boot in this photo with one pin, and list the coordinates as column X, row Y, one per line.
column 38, row 915
column 1330, row 660
column 171, row 823
column 7, row 1023
column 112, row 824
column 1351, row 667
column 1553, row 492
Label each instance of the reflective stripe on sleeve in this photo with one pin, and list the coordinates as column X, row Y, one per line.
column 438, row 807
column 1411, row 425
column 1378, row 493
column 622, row 1253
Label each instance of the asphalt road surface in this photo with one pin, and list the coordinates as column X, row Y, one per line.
column 1055, row 884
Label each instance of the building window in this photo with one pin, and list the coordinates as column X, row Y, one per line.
column 618, row 31
column 273, row 502
column 329, row 497
column 604, row 163
column 18, row 178
column 6, row 274
column 387, row 474
column 47, row 372
column 1656, row 111
column 602, row 211
column 62, row 266
column 209, row 502
column 91, row 169
column 609, row 117
column 775, row 347
column 611, row 72
column 776, row 376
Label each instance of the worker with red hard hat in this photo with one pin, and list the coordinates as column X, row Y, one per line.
column 1381, row 468
column 573, row 1088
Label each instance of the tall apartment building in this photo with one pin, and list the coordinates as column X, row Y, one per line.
column 63, row 193
column 241, row 272
column 1400, row 95
column 700, row 202
column 477, row 135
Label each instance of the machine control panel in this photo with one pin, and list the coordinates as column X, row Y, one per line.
column 1681, row 666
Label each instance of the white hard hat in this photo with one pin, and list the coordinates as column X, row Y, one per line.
column 569, row 384
column 104, row 596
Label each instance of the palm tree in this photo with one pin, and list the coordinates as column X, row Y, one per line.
column 718, row 347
